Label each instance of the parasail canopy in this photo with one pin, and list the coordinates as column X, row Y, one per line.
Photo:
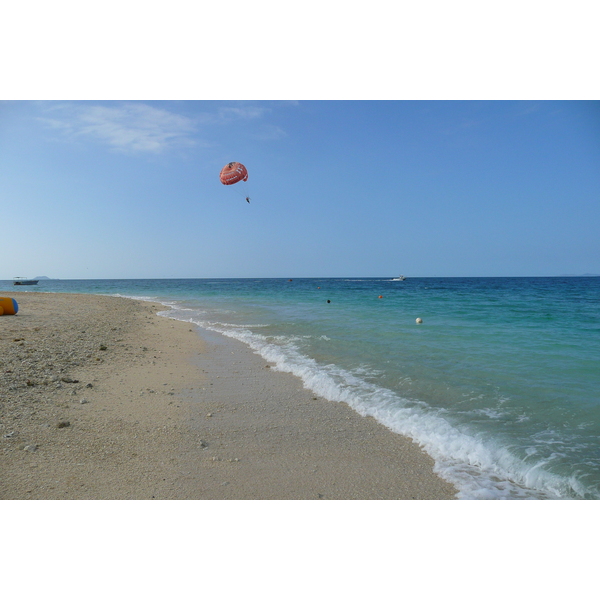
column 232, row 173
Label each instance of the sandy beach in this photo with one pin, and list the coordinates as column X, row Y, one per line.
column 101, row 398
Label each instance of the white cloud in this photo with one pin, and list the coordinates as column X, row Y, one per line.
column 136, row 127
column 132, row 127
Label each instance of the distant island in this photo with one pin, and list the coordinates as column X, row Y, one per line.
column 42, row 277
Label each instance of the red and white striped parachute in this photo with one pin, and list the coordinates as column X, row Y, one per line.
column 232, row 173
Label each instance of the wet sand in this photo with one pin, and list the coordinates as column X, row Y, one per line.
column 103, row 399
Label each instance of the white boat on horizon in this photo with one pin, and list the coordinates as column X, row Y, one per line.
column 401, row 278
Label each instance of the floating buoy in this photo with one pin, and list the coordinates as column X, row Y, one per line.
column 419, row 320
column 9, row 306
column 380, row 296
column 328, row 301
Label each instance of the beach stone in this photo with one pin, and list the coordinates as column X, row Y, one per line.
column 62, row 424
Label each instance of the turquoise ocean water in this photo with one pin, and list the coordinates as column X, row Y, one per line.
column 500, row 384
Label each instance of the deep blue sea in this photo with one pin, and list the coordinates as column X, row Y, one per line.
column 500, row 383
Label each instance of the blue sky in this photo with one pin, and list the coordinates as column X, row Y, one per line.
column 369, row 188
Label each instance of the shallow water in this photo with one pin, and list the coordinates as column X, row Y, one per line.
column 500, row 384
